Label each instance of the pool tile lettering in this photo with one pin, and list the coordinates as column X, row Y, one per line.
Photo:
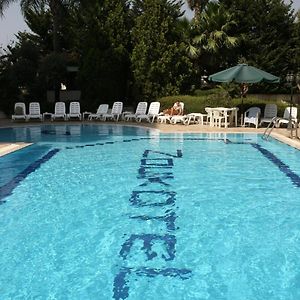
column 152, row 198
column 121, row 288
column 169, row 219
column 154, row 170
column 148, row 241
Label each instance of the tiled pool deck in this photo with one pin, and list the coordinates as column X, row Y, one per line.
column 281, row 134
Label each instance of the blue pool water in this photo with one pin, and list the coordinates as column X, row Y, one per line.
column 116, row 212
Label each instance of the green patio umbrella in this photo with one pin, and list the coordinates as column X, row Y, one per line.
column 243, row 73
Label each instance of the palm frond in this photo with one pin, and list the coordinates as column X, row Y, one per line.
column 192, row 51
column 4, row 4
column 231, row 41
column 218, row 34
column 199, row 39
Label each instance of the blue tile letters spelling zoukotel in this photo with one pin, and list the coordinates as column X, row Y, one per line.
column 152, row 198
column 158, row 197
column 169, row 218
column 121, row 287
column 148, row 241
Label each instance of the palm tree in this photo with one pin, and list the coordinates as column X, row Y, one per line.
column 197, row 6
column 212, row 43
column 213, row 35
column 54, row 6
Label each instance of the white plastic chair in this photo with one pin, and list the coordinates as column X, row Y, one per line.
column 102, row 109
column 19, row 111
column 217, row 118
column 209, row 116
column 141, row 109
column 34, row 111
column 74, row 111
column 252, row 116
column 59, row 111
column 152, row 113
column 270, row 112
column 286, row 116
column 116, row 112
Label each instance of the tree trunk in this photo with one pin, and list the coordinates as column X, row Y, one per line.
column 197, row 9
column 54, row 7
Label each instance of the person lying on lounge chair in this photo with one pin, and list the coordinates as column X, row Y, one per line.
column 176, row 110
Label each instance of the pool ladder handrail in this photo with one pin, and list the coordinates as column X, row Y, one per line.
column 270, row 128
column 294, row 130
column 273, row 122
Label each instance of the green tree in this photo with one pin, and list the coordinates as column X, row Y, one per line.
column 197, row 6
column 296, row 54
column 266, row 28
column 213, row 42
column 160, row 65
column 102, row 33
column 18, row 72
column 55, row 6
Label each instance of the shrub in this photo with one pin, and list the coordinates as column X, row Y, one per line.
column 198, row 103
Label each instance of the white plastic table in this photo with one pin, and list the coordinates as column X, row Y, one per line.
column 47, row 115
column 84, row 114
column 225, row 111
column 195, row 117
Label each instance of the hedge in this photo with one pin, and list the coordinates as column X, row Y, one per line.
column 198, row 103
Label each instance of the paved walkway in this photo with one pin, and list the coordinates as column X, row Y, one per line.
column 281, row 134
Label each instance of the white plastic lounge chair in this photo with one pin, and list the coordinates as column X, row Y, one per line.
column 59, row 111
column 20, row 111
column 252, row 116
column 116, row 112
column 141, row 109
column 164, row 118
column 34, row 111
column 270, row 112
column 74, row 111
column 177, row 118
column 286, row 117
column 102, row 109
column 152, row 113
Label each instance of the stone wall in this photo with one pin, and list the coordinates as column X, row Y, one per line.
column 65, row 96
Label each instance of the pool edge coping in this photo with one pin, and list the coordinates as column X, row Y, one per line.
column 163, row 128
column 7, row 148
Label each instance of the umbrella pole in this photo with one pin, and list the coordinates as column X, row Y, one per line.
column 244, row 90
column 242, row 112
column 290, row 125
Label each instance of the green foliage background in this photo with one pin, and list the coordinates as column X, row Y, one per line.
column 133, row 50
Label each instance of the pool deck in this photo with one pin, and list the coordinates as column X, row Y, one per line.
column 281, row 134
column 6, row 148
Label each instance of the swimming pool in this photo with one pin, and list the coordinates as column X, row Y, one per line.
column 117, row 212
